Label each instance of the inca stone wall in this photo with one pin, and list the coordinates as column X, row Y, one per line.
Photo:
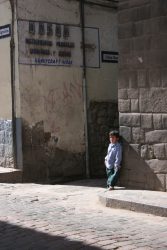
column 143, row 92
column 103, row 118
column 6, row 144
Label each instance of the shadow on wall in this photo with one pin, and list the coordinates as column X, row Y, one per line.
column 15, row 237
column 103, row 117
column 44, row 162
column 136, row 173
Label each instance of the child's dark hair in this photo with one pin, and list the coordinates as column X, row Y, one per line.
column 114, row 133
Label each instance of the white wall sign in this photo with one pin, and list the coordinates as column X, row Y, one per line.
column 43, row 43
column 109, row 56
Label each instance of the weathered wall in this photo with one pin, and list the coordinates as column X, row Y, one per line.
column 103, row 118
column 143, row 91
column 51, row 105
column 102, row 87
column 51, row 97
column 6, row 154
column 102, row 82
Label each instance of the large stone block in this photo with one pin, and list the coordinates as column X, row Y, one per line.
column 127, row 78
column 125, row 16
column 158, row 8
column 164, row 77
column 155, row 77
column 2, row 137
column 122, row 94
column 131, row 120
column 123, row 81
column 158, row 42
column 2, row 150
column 138, row 135
column 146, row 121
column 137, row 61
column 164, row 121
column 124, row 105
column 2, row 125
column 157, row 121
column 133, row 93
column 142, row 78
column 8, row 138
column 125, row 46
column 156, row 136
column 156, row 58
column 141, row 13
column 159, row 151
column 138, row 29
column 135, row 148
column 160, row 183
column 138, row 44
column 125, row 132
column 157, row 166
column 125, row 30
column 144, row 151
column 166, row 150
column 147, row 152
column 130, row 4
column 134, row 105
column 163, row 24
column 153, row 100
column 8, row 151
column 132, row 79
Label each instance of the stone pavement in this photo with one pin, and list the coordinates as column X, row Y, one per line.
column 53, row 217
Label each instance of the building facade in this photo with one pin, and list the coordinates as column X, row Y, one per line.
column 143, row 92
column 58, row 86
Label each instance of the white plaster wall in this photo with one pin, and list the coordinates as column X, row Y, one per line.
column 53, row 94
column 102, row 82
column 5, row 72
column 61, row 11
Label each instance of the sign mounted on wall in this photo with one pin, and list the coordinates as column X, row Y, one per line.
column 5, row 31
column 109, row 56
column 53, row 44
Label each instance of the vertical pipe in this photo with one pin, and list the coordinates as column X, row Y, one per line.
column 12, row 61
column 82, row 15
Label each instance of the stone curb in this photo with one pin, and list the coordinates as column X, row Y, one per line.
column 132, row 206
column 11, row 177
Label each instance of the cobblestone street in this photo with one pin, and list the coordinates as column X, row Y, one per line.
column 40, row 217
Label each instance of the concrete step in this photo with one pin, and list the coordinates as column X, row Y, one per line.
column 150, row 202
column 9, row 175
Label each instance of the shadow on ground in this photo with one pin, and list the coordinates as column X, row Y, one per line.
column 14, row 237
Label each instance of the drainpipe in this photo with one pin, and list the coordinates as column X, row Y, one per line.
column 85, row 95
column 12, row 61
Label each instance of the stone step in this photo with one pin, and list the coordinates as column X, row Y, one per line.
column 150, row 202
column 8, row 175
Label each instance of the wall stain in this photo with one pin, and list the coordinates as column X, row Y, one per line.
column 43, row 161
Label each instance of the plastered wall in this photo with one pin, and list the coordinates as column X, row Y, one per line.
column 5, row 76
column 51, row 105
column 102, row 82
column 51, row 97
column 6, row 139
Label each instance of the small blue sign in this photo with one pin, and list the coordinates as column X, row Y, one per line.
column 5, row 31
